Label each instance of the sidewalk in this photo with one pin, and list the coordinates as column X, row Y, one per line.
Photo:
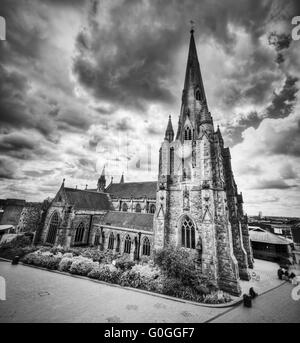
column 263, row 277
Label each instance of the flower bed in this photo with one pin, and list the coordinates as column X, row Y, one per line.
column 173, row 274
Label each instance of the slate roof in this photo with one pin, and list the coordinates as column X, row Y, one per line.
column 267, row 237
column 130, row 220
column 133, row 189
column 83, row 199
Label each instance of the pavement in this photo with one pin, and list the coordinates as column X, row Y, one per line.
column 35, row 295
column 263, row 277
column 275, row 306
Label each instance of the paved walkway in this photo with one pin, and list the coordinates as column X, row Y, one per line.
column 35, row 295
column 276, row 306
column 263, row 277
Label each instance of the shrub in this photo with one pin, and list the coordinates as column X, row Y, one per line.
column 217, row 297
column 45, row 260
column 124, row 263
column 94, row 273
column 176, row 263
column 82, row 265
column 109, row 273
column 146, row 271
column 65, row 263
column 132, row 278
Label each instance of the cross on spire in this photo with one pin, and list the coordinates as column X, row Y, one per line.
column 192, row 26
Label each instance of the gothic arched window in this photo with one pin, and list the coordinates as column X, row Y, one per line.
column 127, row 245
column 198, row 96
column 102, row 241
column 118, row 243
column 146, row 247
column 124, row 207
column 111, row 241
column 171, row 161
column 188, row 233
column 138, row 208
column 187, row 134
column 79, row 233
column 152, row 208
column 54, row 223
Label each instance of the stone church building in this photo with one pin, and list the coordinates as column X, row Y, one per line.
column 194, row 204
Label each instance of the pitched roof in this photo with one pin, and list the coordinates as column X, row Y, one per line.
column 130, row 220
column 267, row 237
column 133, row 189
column 83, row 199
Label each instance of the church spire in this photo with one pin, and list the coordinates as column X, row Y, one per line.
column 193, row 97
column 169, row 135
column 193, row 77
column 101, row 181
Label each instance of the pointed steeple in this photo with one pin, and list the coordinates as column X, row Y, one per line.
column 194, row 106
column 63, row 184
column 169, row 135
column 193, row 78
column 101, row 181
column 122, row 179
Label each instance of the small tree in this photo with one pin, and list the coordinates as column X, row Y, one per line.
column 177, row 263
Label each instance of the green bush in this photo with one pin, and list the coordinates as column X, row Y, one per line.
column 124, row 263
column 82, row 265
column 109, row 273
column 133, row 279
column 45, row 260
column 176, row 263
column 94, row 273
column 217, row 297
column 65, row 263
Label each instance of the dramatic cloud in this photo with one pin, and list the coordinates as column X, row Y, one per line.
column 280, row 42
column 281, row 106
column 88, row 83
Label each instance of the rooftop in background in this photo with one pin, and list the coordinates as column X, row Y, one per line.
column 83, row 199
column 130, row 220
column 263, row 236
column 133, row 189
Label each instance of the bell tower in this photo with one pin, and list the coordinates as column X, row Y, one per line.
column 192, row 207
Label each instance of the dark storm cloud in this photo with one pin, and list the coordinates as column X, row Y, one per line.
column 7, row 168
column 124, row 125
column 36, row 173
column 130, row 60
column 233, row 133
column 281, row 106
column 283, row 103
column 273, row 184
column 71, row 119
column 281, row 42
column 13, row 110
column 15, row 142
column 16, row 109
column 153, row 130
column 87, row 163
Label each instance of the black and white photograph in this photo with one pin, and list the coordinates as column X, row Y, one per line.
column 149, row 164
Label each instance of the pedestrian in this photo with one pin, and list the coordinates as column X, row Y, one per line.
column 252, row 293
column 280, row 273
column 247, row 300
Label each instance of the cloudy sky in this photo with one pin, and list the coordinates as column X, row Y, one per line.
column 88, row 83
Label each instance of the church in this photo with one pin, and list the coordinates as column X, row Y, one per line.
column 194, row 203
